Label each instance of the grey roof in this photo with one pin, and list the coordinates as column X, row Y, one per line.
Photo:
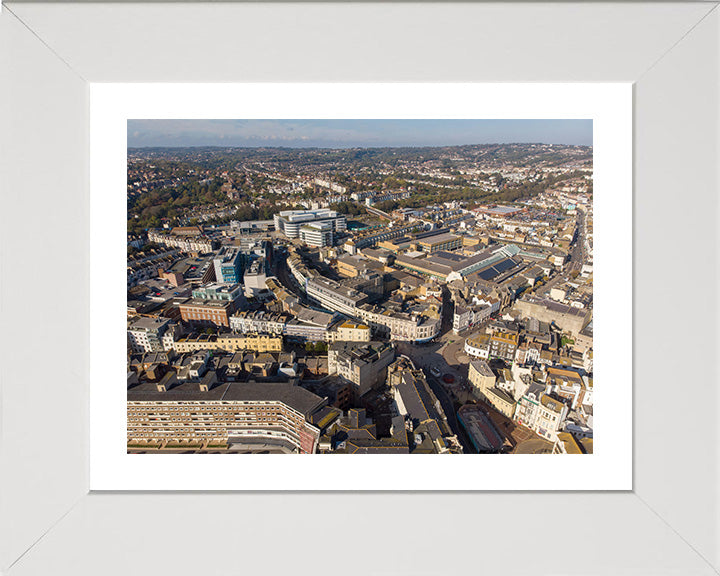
column 417, row 397
column 316, row 317
column 296, row 397
column 147, row 323
column 425, row 263
column 558, row 307
column 444, row 237
column 482, row 368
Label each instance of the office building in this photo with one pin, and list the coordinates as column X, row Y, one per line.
column 318, row 234
column 206, row 313
column 228, row 265
column 289, row 222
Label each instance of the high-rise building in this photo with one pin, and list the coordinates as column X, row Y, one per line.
column 228, row 265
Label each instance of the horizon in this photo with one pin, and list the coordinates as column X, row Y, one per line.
column 351, row 134
column 352, row 147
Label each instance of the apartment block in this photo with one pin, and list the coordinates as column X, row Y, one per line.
column 250, row 416
column 146, row 334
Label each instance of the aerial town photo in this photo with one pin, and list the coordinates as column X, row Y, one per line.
column 360, row 287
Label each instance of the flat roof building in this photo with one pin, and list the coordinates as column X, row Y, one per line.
column 145, row 334
column 246, row 414
column 206, row 313
column 445, row 241
column 289, row 222
column 228, row 265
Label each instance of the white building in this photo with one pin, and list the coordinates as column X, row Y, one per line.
column 289, row 222
column 146, row 334
column 541, row 413
column 478, row 346
column 318, row 234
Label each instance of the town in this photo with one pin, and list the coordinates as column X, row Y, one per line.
column 434, row 300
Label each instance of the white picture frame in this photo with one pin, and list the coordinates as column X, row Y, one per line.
column 610, row 108
column 668, row 523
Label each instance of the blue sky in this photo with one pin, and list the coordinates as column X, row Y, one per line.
column 354, row 133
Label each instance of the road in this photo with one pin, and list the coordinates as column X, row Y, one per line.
column 576, row 261
column 577, row 254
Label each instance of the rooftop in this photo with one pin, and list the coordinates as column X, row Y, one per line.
column 146, row 323
column 295, row 397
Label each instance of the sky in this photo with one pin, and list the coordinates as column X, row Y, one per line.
column 354, row 133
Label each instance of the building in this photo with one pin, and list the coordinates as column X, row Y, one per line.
column 478, row 346
column 353, row 297
column 349, row 332
column 540, row 412
column 250, row 416
column 329, row 184
column 207, row 313
column 195, row 244
column 228, row 265
column 259, row 321
column 486, row 386
column 565, row 317
column 146, row 334
column 480, row 375
column 289, row 222
column 255, row 277
column 420, row 408
column 412, row 327
column 217, row 291
column 483, row 434
column 503, row 345
column 489, row 264
column 466, row 315
column 363, row 364
column 567, row 384
column 376, row 236
column 352, row 266
column 226, row 342
column 445, row 241
column 355, row 433
column 320, row 234
column 568, row 444
column 309, row 325
column 334, row 296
